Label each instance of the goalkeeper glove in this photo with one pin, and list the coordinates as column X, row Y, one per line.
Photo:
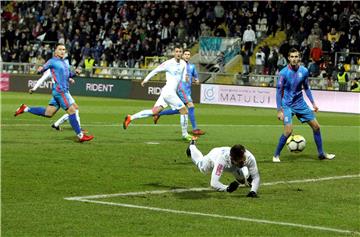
column 252, row 194
column 232, row 187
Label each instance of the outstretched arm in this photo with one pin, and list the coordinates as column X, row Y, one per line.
column 160, row 68
column 45, row 76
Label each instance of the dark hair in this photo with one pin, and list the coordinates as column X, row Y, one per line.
column 186, row 50
column 293, row 50
column 237, row 152
column 58, row 44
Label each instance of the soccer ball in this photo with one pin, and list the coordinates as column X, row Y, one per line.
column 296, row 143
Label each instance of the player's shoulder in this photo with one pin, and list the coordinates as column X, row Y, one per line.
column 284, row 71
column 303, row 69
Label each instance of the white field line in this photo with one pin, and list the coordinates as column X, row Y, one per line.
column 314, row 227
column 100, row 124
column 204, row 189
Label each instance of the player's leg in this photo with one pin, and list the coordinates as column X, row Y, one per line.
column 65, row 117
column 48, row 111
column 202, row 162
column 160, row 104
column 287, row 132
column 70, row 107
column 318, row 140
column 175, row 103
column 195, row 129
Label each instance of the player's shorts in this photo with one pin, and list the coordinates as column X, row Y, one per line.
column 169, row 99
column 184, row 95
column 304, row 114
column 63, row 100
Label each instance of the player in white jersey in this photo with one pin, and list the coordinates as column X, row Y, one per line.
column 236, row 160
column 175, row 69
column 47, row 75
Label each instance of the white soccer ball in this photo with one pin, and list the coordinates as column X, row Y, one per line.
column 296, row 143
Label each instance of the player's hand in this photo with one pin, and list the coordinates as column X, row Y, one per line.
column 77, row 71
column 31, row 91
column 280, row 115
column 39, row 70
column 197, row 82
column 72, row 81
column 232, row 187
column 316, row 109
column 143, row 83
column 252, row 194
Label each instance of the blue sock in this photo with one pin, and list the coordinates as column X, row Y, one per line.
column 169, row 112
column 280, row 145
column 74, row 123
column 192, row 117
column 318, row 141
column 37, row 111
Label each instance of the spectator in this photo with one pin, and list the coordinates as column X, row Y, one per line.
column 316, row 52
column 245, row 61
column 259, row 61
column 281, row 63
column 273, row 58
column 221, row 62
column 249, row 38
column 314, row 69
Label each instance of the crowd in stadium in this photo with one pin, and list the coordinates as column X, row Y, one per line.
column 122, row 33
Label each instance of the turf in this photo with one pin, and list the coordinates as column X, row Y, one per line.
column 41, row 167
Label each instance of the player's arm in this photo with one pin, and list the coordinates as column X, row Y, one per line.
column 46, row 66
column 195, row 76
column 161, row 68
column 254, row 173
column 308, row 93
column 44, row 77
column 215, row 178
column 279, row 95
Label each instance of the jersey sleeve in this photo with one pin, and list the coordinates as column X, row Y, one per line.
column 254, row 172
column 45, row 76
column 161, row 68
column 280, row 90
column 215, row 177
column 195, row 73
column 47, row 65
column 307, row 87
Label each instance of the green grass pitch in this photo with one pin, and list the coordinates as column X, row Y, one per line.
column 41, row 167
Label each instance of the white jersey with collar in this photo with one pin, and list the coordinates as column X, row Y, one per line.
column 175, row 72
column 220, row 162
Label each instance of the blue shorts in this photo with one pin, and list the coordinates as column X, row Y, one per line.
column 61, row 99
column 304, row 114
column 184, row 95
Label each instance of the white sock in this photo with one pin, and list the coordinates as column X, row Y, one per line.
column 184, row 124
column 61, row 120
column 142, row 114
column 78, row 116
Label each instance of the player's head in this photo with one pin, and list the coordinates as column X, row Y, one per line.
column 60, row 50
column 177, row 52
column 237, row 155
column 186, row 55
column 294, row 57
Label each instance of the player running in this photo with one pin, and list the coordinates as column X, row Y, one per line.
column 290, row 102
column 61, row 73
column 65, row 117
column 184, row 92
column 236, row 160
column 175, row 69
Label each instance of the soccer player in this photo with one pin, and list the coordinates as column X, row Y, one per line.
column 184, row 92
column 236, row 160
column 290, row 102
column 175, row 69
column 65, row 117
column 61, row 73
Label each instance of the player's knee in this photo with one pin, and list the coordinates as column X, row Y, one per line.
column 316, row 127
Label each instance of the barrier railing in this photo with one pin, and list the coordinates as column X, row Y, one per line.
column 207, row 77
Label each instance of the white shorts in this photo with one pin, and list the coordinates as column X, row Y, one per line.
column 169, row 99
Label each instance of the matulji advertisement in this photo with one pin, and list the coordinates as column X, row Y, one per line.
column 238, row 95
column 330, row 101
